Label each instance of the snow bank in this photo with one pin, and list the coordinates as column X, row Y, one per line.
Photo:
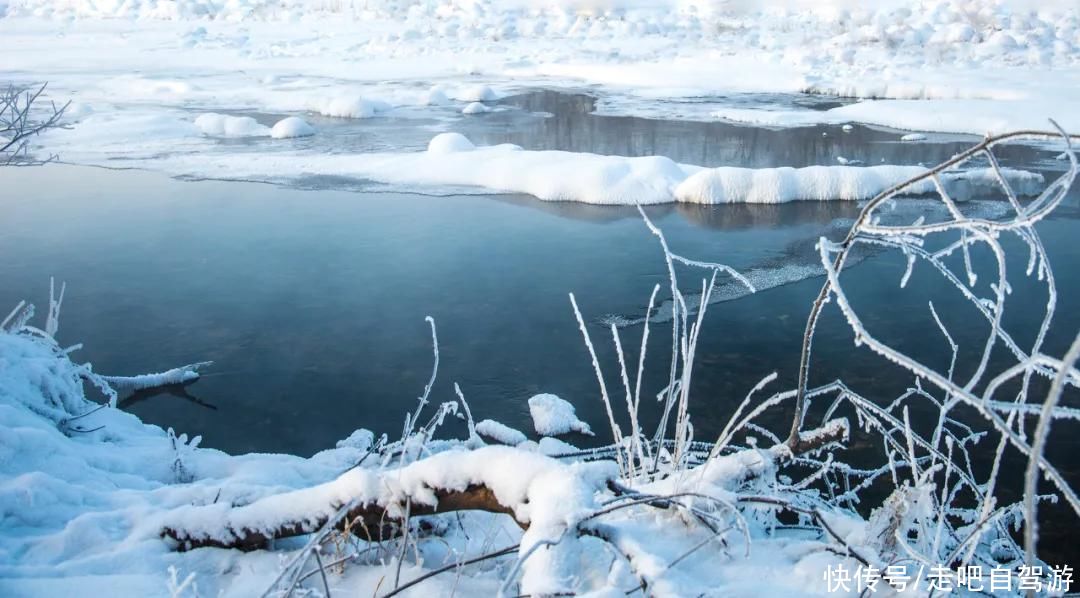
column 553, row 416
column 222, row 125
column 821, row 183
column 453, row 161
column 824, row 10
column 643, row 53
column 292, row 126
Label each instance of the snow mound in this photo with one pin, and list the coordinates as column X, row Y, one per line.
column 448, row 143
column 290, row 127
column 350, row 107
column 476, row 93
column 913, row 137
column 475, row 108
column 553, row 416
column 223, row 125
column 553, row 447
column 436, row 96
column 500, row 432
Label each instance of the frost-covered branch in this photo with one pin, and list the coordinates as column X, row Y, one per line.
column 20, row 121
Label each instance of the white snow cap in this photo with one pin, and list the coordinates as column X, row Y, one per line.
column 448, row 143
column 292, row 126
column 350, row 107
column 477, row 93
column 553, row 447
column 475, row 108
column 436, row 96
column 553, row 416
column 223, row 125
column 500, row 432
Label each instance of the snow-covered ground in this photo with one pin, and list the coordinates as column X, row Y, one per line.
column 86, row 492
column 142, row 75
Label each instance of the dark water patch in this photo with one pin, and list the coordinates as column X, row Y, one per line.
column 555, row 120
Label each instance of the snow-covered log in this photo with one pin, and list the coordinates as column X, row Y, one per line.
column 178, row 375
column 493, row 479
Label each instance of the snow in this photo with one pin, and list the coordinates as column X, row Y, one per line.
column 781, row 185
column 982, row 116
column 553, row 416
column 223, row 125
column 448, row 143
column 85, row 492
column 157, row 83
column 180, row 375
column 972, row 66
column 453, row 161
column 292, row 126
column 555, row 447
column 476, row 94
column 500, row 432
column 475, row 108
column 350, row 107
column 436, row 96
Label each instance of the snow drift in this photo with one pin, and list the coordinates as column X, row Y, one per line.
column 452, row 160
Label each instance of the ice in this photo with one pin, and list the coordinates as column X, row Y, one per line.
column 292, row 126
column 943, row 115
column 553, row 416
column 223, row 125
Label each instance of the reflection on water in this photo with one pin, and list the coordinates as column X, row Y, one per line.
column 750, row 216
column 554, row 120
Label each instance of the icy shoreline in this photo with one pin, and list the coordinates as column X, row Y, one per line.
column 944, row 66
column 453, row 162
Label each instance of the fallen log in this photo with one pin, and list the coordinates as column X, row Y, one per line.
column 368, row 521
column 493, row 479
